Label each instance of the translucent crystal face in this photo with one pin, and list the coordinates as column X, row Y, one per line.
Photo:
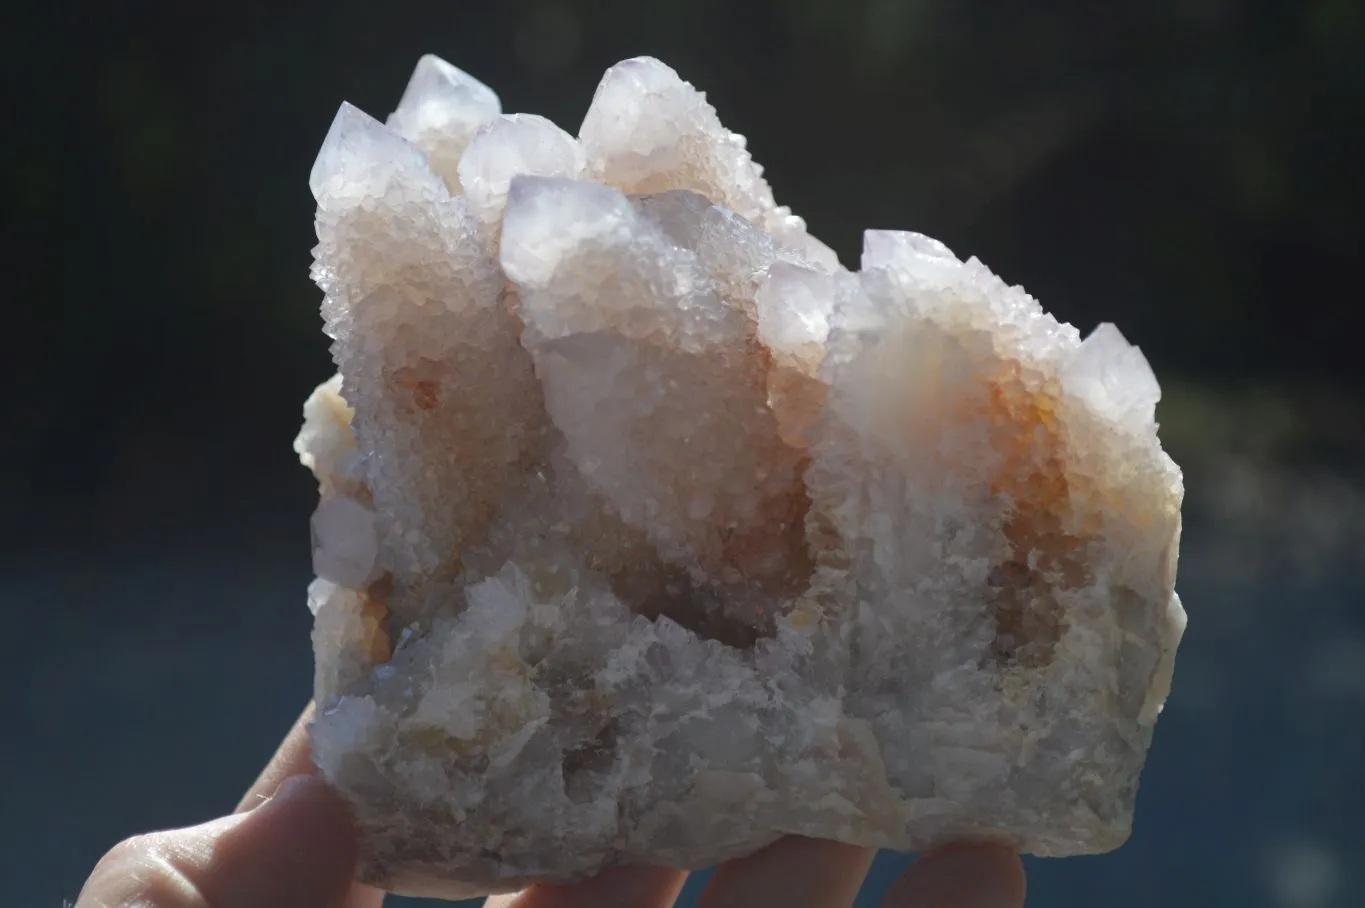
column 440, row 111
column 510, row 146
column 649, row 532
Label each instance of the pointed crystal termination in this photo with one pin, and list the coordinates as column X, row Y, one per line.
column 511, row 146
column 414, row 303
column 441, row 110
column 345, row 548
column 648, row 131
column 1113, row 377
column 882, row 248
column 358, row 158
column 548, row 220
column 794, row 310
column 648, row 533
column 439, row 92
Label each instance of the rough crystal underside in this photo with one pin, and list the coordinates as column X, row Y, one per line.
column 648, row 533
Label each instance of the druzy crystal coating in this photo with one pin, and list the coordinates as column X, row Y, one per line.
column 650, row 533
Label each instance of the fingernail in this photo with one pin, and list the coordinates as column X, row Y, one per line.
column 298, row 848
column 288, row 790
column 290, row 787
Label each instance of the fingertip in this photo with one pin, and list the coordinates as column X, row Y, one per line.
column 615, row 887
column 302, row 786
column 297, row 849
column 307, row 806
column 793, row 871
column 300, row 847
column 962, row 875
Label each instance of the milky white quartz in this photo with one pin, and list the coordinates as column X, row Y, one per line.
column 649, row 533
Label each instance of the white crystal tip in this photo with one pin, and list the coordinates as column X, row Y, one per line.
column 435, row 79
column 348, row 129
column 643, row 67
column 549, row 218
column 885, row 248
column 510, row 146
column 1114, row 379
column 359, row 158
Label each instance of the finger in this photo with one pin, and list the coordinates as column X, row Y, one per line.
column 615, row 887
column 296, row 851
column 961, row 876
column 793, row 872
column 364, row 897
column 293, row 757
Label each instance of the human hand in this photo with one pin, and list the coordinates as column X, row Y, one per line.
column 795, row 872
column 291, row 844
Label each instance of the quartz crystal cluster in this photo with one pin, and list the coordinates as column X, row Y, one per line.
column 649, row 533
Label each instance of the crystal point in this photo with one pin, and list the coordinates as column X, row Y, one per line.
column 510, row 146
column 549, row 218
column 345, row 546
column 882, row 248
column 440, row 112
column 649, row 131
column 439, row 89
column 352, row 158
column 1113, row 377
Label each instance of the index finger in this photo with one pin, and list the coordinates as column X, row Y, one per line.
column 294, row 757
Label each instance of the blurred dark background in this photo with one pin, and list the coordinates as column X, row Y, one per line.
column 1190, row 169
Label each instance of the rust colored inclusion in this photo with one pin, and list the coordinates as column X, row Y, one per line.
column 1044, row 559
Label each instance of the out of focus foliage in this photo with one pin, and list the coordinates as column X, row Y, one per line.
column 1187, row 168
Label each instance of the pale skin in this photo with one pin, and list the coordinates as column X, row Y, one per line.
column 290, row 844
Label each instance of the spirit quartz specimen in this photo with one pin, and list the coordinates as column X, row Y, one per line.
column 649, row 533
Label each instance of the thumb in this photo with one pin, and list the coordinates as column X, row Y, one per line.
column 297, row 850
